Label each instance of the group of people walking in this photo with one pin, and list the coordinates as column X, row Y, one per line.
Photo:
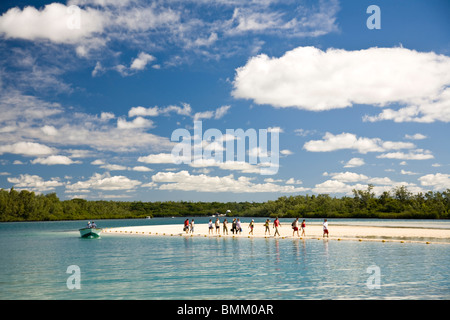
column 236, row 227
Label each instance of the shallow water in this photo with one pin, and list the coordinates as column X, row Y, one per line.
column 34, row 257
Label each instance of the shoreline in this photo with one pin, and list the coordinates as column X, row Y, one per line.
column 312, row 231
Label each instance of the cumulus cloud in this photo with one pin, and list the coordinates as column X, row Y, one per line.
column 294, row 181
column 311, row 79
column 93, row 24
column 417, row 136
column 141, row 61
column 136, row 123
column 347, row 176
column 157, row 158
column 413, row 155
column 55, row 22
column 103, row 182
column 429, row 110
column 141, row 169
column 331, row 142
column 54, row 160
column 439, row 181
column 34, row 183
column 345, row 183
column 141, row 111
column 354, row 162
column 242, row 166
column 185, row 110
column 50, row 125
column 27, row 149
column 184, row 181
column 216, row 114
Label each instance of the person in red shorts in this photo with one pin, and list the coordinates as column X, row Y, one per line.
column 325, row 228
column 295, row 227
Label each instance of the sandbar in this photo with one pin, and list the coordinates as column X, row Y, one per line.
column 336, row 232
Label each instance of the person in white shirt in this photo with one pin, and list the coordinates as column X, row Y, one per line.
column 192, row 226
column 325, row 228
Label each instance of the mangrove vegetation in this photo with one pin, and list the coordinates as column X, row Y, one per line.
column 398, row 203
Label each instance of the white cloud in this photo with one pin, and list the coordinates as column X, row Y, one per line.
column 286, row 152
column 436, row 165
column 203, row 115
column 354, row 162
column 293, row 181
column 27, row 149
column 113, row 167
column 141, row 61
column 49, row 130
column 221, row 111
column 184, row 110
column 205, row 42
column 414, row 155
column 410, row 173
column 138, row 64
column 34, row 183
column 348, row 176
column 107, row 116
column 118, row 167
column 137, row 123
column 417, row 136
column 248, row 20
column 68, row 128
column 141, row 169
column 435, row 108
column 54, row 160
column 217, row 114
column 311, row 79
column 438, row 181
column 98, row 69
column 380, row 185
column 55, row 22
column 363, row 145
column 298, row 22
column 92, row 25
column 304, row 132
column 103, row 182
column 331, row 186
column 184, row 181
column 157, row 158
column 98, row 162
column 241, row 166
column 141, row 111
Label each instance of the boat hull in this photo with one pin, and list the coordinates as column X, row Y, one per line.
column 90, row 233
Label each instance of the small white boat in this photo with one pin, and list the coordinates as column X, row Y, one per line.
column 90, row 233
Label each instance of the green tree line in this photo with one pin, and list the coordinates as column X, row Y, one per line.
column 398, row 203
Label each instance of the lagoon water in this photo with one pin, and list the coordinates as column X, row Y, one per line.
column 34, row 257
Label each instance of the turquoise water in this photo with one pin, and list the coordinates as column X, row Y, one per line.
column 34, row 257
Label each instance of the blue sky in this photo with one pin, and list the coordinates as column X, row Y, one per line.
column 92, row 90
